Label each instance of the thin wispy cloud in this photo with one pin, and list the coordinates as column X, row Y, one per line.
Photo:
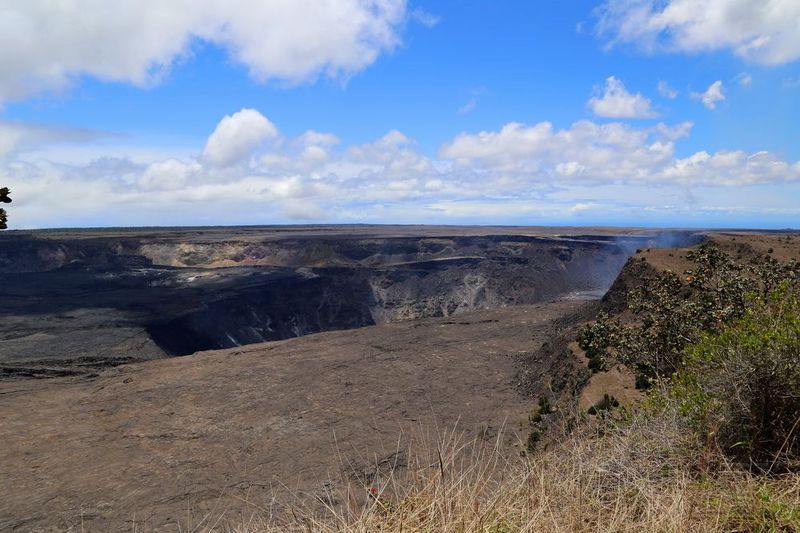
column 666, row 91
column 744, row 79
column 16, row 136
column 472, row 103
column 425, row 18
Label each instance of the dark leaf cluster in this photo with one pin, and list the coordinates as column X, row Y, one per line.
column 5, row 198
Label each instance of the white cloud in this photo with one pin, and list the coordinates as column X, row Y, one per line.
column 715, row 93
column 48, row 45
column 734, row 168
column 236, row 136
column 423, row 17
column 666, row 91
column 519, row 156
column 744, row 79
column 762, row 31
column 316, row 138
column 617, row 102
column 673, row 133
column 169, row 174
column 536, row 171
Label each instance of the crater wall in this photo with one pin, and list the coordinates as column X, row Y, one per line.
column 74, row 302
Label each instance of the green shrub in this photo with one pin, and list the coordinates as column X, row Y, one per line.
column 607, row 403
column 596, row 364
column 724, row 342
column 765, row 511
column 741, row 385
column 672, row 312
column 543, row 408
column 5, row 199
column 544, row 405
column 642, row 381
column 533, row 439
column 595, row 339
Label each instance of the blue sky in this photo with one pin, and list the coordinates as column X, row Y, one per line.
column 384, row 111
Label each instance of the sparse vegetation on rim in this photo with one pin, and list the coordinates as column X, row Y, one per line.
column 724, row 341
column 740, row 387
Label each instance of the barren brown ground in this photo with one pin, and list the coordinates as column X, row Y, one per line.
column 222, row 431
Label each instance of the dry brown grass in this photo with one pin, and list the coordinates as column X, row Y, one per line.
column 644, row 475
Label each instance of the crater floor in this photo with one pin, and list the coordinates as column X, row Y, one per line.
column 225, row 431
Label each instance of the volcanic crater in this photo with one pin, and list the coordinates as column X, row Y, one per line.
column 309, row 355
column 77, row 300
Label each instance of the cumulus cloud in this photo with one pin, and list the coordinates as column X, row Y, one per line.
column 251, row 173
column 732, row 167
column 764, row 31
column 236, row 136
column 47, row 45
column 715, row 93
column 666, row 91
column 600, row 154
column 617, row 102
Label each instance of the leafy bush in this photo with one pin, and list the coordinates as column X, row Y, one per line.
column 741, row 385
column 605, row 404
column 5, row 199
column 544, row 405
column 595, row 340
column 597, row 364
column 724, row 342
column 672, row 312
column 533, row 439
column 543, row 408
column 642, row 382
